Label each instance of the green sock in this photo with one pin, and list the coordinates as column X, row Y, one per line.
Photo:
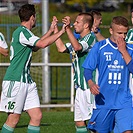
column 7, row 129
column 33, row 129
column 82, row 129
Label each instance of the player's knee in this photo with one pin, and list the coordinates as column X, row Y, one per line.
column 80, row 123
column 40, row 116
column 37, row 117
column 13, row 120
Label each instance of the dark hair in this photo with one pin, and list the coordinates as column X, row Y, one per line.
column 131, row 10
column 87, row 18
column 95, row 12
column 26, row 11
column 119, row 20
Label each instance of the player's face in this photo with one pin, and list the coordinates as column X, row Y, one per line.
column 97, row 21
column 78, row 24
column 118, row 31
column 34, row 21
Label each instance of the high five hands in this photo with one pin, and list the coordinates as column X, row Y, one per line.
column 66, row 21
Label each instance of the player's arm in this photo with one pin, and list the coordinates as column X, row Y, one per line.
column 99, row 36
column 97, row 33
column 122, row 48
column 51, row 29
column 59, row 43
column 4, row 51
column 42, row 43
column 76, row 45
column 47, row 40
column 3, row 45
column 35, row 49
column 94, row 88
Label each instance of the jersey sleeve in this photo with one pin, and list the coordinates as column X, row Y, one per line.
column 92, row 58
column 69, row 47
column 129, row 37
column 3, row 43
column 87, row 43
column 28, row 38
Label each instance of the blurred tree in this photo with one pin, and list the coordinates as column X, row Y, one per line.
column 82, row 2
column 129, row 4
column 90, row 2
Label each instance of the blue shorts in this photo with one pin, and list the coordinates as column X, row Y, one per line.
column 107, row 120
column 117, row 128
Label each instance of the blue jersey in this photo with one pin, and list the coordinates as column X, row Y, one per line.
column 113, row 72
column 76, row 35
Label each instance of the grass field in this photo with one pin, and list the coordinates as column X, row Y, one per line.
column 52, row 122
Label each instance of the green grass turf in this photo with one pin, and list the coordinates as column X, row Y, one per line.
column 52, row 122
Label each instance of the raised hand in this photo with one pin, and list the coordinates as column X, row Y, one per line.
column 53, row 23
column 67, row 21
column 121, row 44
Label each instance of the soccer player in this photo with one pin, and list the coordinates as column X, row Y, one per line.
column 97, row 22
column 113, row 58
column 19, row 91
column 129, row 37
column 78, row 50
column 95, row 28
column 3, row 45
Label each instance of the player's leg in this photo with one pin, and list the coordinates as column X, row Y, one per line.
column 10, row 123
column 79, row 122
column 83, row 110
column 12, row 101
column 124, row 121
column 102, row 121
column 35, row 119
column 32, row 106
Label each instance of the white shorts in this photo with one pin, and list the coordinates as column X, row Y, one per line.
column 131, row 86
column 84, row 103
column 18, row 96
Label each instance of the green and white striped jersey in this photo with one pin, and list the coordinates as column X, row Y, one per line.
column 129, row 37
column 23, row 41
column 78, row 58
column 3, row 43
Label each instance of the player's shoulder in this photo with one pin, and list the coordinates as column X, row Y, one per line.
column 129, row 46
column 130, row 30
column 101, row 43
column 22, row 29
column 89, row 35
column 17, row 30
column 1, row 34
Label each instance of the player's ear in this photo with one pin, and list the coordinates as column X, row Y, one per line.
column 86, row 25
column 111, row 31
column 32, row 17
